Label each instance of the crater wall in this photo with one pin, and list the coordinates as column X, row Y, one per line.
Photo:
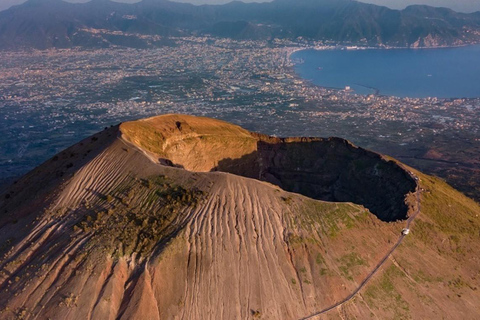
column 330, row 169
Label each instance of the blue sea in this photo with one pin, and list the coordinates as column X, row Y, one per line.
column 416, row 73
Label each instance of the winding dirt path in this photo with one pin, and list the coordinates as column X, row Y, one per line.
column 382, row 261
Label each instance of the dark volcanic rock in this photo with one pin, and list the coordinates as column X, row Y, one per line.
column 329, row 169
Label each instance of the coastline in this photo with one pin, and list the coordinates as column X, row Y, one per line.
column 294, row 62
column 291, row 51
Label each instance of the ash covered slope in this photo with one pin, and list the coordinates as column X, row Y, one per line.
column 110, row 228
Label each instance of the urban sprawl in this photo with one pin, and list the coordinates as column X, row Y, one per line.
column 57, row 97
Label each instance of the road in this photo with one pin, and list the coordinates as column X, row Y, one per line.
column 381, row 263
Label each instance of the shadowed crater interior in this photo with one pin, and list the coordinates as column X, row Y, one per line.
column 329, row 169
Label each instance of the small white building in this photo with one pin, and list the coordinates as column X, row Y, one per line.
column 405, row 231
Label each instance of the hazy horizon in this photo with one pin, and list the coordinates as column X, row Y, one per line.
column 457, row 5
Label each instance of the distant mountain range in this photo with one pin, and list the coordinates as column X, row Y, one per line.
column 45, row 24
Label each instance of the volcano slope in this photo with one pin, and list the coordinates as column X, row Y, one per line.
column 181, row 217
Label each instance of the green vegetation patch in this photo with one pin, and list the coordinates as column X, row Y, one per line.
column 421, row 277
column 331, row 217
column 382, row 294
column 137, row 215
column 452, row 212
column 446, row 214
column 348, row 263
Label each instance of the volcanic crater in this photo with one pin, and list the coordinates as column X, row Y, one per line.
column 329, row 169
column 182, row 217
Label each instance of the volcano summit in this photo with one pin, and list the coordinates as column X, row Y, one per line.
column 182, row 217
